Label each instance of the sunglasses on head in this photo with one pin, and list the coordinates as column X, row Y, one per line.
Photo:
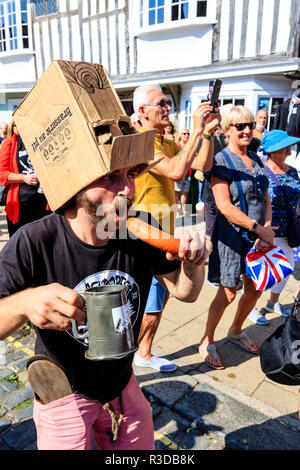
column 163, row 103
column 241, row 126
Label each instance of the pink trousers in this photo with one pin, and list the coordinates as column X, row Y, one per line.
column 70, row 422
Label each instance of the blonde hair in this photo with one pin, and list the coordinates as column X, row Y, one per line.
column 10, row 129
column 235, row 114
column 179, row 135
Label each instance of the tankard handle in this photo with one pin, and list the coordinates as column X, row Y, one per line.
column 74, row 323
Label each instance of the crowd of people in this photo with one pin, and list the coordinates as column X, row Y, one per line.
column 245, row 207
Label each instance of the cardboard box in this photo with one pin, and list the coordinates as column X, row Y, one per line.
column 75, row 129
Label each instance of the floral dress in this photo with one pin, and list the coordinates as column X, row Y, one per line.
column 291, row 185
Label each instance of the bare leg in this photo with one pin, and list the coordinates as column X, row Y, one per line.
column 274, row 298
column 144, row 357
column 223, row 298
column 184, row 198
column 148, row 330
column 246, row 303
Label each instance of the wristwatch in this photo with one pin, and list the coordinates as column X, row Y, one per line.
column 207, row 136
column 252, row 229
column 251, row 234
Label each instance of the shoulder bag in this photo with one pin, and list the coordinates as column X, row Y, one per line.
column 249, row 236
column 280, row 353
column 293, row 233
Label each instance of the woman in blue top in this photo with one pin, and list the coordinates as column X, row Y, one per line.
column 277, row 145
column 235, row 231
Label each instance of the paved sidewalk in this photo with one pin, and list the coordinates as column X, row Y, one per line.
column 193, row 408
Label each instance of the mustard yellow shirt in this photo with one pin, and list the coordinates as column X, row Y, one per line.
column 156, row 193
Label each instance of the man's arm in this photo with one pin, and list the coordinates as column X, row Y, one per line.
column 177, row 167
column 186, row 282
column 204, row 159
column 50, row 306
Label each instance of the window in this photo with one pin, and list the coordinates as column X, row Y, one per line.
column 223, row 101
column 271, row 105
column 188, row 114
column 14, row 31
column 12, row 25
column 233, row 101
column 24, row 21
column 156, row 11
column 45, row 7
column 164, row 12
column 180, row 9
column 2, row 29
column 276, row 102
column 201, row 8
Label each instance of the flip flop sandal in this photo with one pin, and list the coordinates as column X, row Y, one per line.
column 211, row 350
column 48, row 381
column 237, row 339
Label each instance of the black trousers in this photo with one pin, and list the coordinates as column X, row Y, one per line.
column 28, row 212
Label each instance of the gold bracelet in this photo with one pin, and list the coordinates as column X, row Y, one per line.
column 207, row 136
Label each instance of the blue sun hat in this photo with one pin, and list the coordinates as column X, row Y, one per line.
column 277, row 140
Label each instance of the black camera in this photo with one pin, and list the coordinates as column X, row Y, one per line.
column 214, row 92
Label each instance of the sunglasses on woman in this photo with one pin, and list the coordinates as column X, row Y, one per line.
column 241, row 126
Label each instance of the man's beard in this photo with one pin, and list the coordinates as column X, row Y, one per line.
column 102, row 212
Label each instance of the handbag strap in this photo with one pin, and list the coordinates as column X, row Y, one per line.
column 237, row 182
column 296, row 306
column 278, row 184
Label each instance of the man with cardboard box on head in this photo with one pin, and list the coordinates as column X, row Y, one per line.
column 72, row 120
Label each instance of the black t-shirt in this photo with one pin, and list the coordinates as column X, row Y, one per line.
column 47, row 251
column 26, row 192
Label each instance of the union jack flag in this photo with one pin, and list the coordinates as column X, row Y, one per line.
column 267, row 268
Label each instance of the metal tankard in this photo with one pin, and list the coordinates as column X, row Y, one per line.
column 109, row 329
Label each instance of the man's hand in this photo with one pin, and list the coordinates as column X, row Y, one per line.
column 200, row 115
column 212, row 122
column 266, row 233
column 53, row 306
column 192, row 248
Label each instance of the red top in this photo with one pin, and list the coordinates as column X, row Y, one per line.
column 8, row 164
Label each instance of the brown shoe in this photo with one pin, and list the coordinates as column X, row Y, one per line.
column 48, row 381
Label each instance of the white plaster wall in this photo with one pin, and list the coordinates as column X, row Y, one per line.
column 252, row 28
column 267, row 22
column 224, row 29
column 174, row 49
column 76, row 43
column 17, row 69
column 283, row 29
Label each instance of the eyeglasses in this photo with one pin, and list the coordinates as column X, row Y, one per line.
column 241, row 126
column 163, row 103
column 185, row 133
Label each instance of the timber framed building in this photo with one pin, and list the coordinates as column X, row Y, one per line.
column 252, row 45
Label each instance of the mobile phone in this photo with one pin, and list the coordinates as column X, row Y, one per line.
column 214, row 92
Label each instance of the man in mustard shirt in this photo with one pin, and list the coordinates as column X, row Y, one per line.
column 155, row 192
